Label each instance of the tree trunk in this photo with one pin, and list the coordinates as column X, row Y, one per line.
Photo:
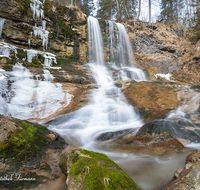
column 149, row 11
column 139, row 10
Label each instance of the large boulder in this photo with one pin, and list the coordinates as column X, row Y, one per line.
column 29, row 155
column 155, row 137
column 153, row 100
column 92, row 170
column 187, row 178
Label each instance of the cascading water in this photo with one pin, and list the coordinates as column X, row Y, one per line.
column 106, row 111
column 95, row 41
column 121, row 53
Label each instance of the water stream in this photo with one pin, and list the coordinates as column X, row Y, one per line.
column 108, row 112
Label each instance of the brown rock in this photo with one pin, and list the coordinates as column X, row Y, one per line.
column 187, row 178
column 3, row 60
column 6, row 125
column 53, row 136
column 153, row 100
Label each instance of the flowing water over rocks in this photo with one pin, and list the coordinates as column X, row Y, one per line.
column 108, row 113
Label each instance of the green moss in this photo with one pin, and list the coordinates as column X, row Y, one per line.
column 58, row 19
column 21, row 54
column 36, row 61
column 7, row 67
column 24, row 5
column 25, row 143
column 97, row 171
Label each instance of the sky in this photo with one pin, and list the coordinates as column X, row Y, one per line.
column 155, row 11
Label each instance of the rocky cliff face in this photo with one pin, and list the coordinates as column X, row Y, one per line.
column 161, row 48
column 64, row 33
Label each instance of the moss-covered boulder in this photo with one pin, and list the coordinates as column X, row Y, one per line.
column 29, row 154
column 187, row 177
column 92, row 170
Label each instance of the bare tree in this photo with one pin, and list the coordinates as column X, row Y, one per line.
column 139, row 10
column 149, row 11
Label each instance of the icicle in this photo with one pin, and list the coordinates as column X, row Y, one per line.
column 40, row 31
column 2, row 20
column 44, row 24
column 37, row 9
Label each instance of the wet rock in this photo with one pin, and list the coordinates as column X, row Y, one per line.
column 152, row 100
column 28, row 153
column 92, row 170
column 156, row 137
column 187, row 177
column 181, row 130
column 112, row 135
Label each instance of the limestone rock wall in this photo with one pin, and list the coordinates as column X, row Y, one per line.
column 66, row 27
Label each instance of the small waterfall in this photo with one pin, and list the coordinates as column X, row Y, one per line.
column 125, row 52
column 95, row 41
column 121, row 53
column 2, row 20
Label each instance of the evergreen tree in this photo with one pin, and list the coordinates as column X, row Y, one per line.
column 117, row 9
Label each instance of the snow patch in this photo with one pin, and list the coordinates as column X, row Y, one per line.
column 166, row 76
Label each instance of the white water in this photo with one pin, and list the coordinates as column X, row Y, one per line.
column 95, row 41
column 125, row 52
column 106, row 111
column 121, row 53
column 2, row 20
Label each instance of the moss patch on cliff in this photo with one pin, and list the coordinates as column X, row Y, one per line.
column 24, row 5
column 58, row 19
column 92, row 170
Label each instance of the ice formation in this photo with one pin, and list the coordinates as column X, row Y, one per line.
column 37, row 8
column 3, row 93
column 40, row 31
column 49, row 58
column 32, row 98
column 2, row 20
column 6, row 48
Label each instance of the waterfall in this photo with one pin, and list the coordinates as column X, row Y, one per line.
column 121, row 53
column 125, row 52
column 95, row 41
column 106, row 111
